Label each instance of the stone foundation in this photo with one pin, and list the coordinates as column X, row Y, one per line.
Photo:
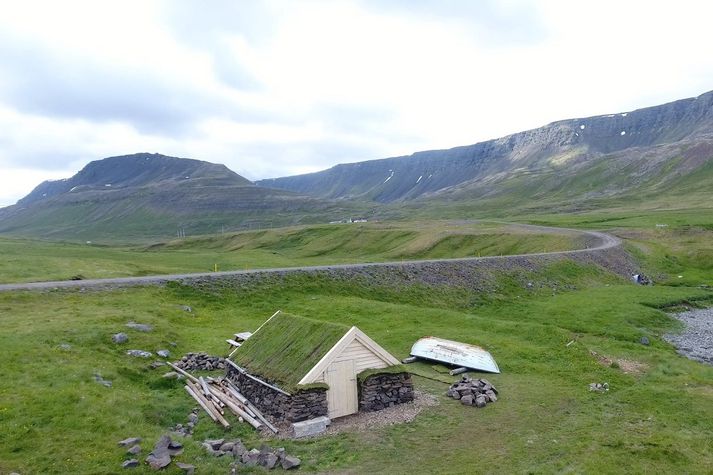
column 300, row 406
column 384, row 390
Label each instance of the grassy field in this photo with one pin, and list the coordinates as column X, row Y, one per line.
column 659, row 418
column 27, row 260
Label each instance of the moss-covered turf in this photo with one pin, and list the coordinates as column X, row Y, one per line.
column 286, row 347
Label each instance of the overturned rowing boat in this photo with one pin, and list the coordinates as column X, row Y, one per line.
column 454, row 353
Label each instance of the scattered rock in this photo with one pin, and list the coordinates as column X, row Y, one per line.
column 187, row 308
column 186, row 467
column 290, row 462
column 163, row 353
column 157, row 364
column 98, row 378
column 266, row 457
column 644, row 341
column 131, row 463
column 172, row 375
column 134, row 450
column 65, row 346
column 214, row 443
column 139, row 353
column 160, row 456
column 467, row 400
column 129, row 441
column 119, row 338
column 599, row 387
column 142, row 327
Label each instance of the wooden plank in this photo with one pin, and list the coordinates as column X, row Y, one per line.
column 184, row 373
column 258, row 380
column 250, row 405
column 237, row 410
column 189, row 390
column 209, row 405
column 453, row 372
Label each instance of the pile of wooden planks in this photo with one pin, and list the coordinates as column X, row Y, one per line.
column 218, row 395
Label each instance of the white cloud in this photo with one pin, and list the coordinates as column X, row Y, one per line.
column 278, row 87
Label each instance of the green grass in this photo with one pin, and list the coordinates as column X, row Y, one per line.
column 56, row 419
column 33, row 260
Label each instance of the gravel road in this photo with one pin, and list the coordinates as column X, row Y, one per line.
column 696, row 340
column 595, row 241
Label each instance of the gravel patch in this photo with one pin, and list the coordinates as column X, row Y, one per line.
column 696, row 340
column 398, row 414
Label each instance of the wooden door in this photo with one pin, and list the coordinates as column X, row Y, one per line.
column 342, row 393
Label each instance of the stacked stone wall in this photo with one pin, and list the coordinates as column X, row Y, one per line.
column 380, row 391
column 300, row 406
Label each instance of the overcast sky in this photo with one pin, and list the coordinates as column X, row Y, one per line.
column 277, row 88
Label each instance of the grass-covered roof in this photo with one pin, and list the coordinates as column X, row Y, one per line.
column 287, row 347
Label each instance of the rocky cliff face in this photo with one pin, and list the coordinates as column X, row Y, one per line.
column 560, row 143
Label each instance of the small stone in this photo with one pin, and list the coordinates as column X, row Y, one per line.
column 119, row 338
column 129, row 441
column 163, row 353
column 227, row 447
column 186, row 467
column 480, row 401
column 251, row 457
column 644, row 341
column 65, row 346
column 158, row 461
column 290, row 462
column 134, row 450
column 171, row 375
column 157, row 364
column 491, row 396
column 187, row 308
column 139, row 353
column 238, row 449
column 142, row 327
column 214, row 443
column 467, row 400
column 271, row 461
column 131, row 463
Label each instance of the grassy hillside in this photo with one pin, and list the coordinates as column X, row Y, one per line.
column 656, row 418
column 31, row 260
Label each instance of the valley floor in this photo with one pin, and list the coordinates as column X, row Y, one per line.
column 575, row 324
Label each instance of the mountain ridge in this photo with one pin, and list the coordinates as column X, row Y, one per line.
column 403, row 178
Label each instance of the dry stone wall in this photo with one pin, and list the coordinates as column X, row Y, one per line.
column 384, row 390
column 303, row 405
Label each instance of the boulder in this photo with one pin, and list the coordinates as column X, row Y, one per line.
column 131, row 463
column 158, row 461
column 270, row 461
column 238, row 449
column 120, row 338
column 480, row 401
column 134, row 450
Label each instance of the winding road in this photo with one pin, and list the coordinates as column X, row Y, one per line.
column 603, row 241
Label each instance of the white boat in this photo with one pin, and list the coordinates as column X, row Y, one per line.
column 454, row 353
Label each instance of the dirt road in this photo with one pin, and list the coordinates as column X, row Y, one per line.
column 598, row 241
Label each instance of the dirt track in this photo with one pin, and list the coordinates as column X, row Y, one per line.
column 596, row 242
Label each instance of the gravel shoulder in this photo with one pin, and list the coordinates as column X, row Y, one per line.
column 696, row 340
